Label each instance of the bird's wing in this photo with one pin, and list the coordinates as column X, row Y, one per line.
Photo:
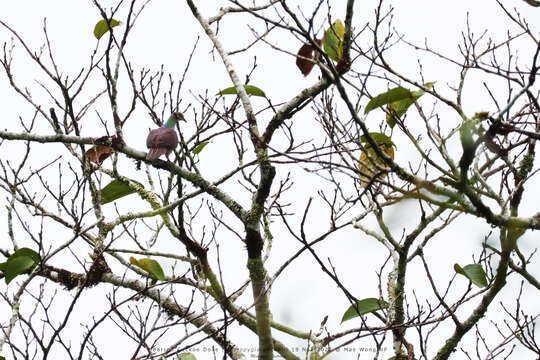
column 162, row 138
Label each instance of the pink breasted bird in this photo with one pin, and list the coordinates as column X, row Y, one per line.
column 164, row 139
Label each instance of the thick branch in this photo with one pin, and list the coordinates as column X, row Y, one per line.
column 172, row 307
column 246, row 103
column 478, row 313
column 194, row 178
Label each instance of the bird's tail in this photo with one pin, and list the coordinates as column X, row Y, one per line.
column 154, row 153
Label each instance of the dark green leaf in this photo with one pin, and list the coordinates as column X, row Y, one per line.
column 250, row 90
column 197, row 149
column 392, row 95
column 474, row 273
column 379, row 138
column 115, row 190
column 397, row 108
column 17, row 266
column 186, row 356
column 363, row 307
column 333, row 40
column 18, row 263
column 26, row 252
column 101, row 27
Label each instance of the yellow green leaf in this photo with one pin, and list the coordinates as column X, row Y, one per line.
column 379, row 138
column 197, row 149
column 101, row 27
column 250, row 90
column 369, row 160
column 333, row 40
column 186, row 356
column 151, row 266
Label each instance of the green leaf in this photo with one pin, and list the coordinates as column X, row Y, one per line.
column 151, row 266
column 333, row 40
column 474, row 273
column 186, row 356
column 250, row 90
column 26, row 252
column 101, row 27
column 397, row 108
column 379, row 138
column 116, row 189
column 18, row 263
column 392, row 95
column 197, row 149
column 369, row 156
column 17, row 266
column 363, row 307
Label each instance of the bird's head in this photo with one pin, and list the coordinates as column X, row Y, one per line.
column 174, row 119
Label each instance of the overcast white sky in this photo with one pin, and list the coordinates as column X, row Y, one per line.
column 165, row 34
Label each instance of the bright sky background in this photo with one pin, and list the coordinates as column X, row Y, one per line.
column 165, row 34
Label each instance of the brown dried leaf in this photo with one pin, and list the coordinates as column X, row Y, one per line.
column 99, row 153
column 307, row 57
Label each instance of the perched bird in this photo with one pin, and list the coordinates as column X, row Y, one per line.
column 164, row 139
